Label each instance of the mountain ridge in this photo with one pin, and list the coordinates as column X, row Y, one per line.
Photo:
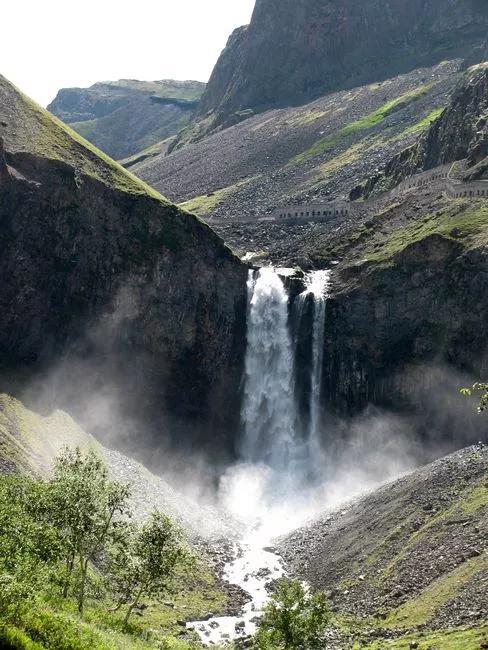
column 126, row 116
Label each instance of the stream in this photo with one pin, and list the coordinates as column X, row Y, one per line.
column 253, row 568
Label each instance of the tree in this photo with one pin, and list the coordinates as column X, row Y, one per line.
column 147, row 561
column 85, row 506
column 478, row 388
column 293, row 620
column 30, row 546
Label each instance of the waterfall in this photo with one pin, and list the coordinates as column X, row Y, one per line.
column 269, row 413
column 317, row 285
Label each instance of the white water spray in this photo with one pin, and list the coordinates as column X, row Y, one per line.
column 269, row 413
column 318, row 283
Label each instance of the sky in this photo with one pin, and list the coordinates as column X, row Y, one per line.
column 51, row 44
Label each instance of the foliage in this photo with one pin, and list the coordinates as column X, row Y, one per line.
column 364, row 123
column 29, row 544
column 293, row 620
column 475, row 389
column 147, row 562
column 58, row 542
column 85, row 504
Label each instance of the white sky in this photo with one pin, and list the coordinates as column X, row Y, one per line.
column 51, row 44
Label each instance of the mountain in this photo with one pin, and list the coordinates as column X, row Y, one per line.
column 407, row 303
column 460, row 133
column 124, row 117
column 115, row 303
column 297, row 50
column 288, row 156
column 406, row 565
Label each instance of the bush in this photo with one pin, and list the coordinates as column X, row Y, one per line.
column 56, row 632
column 13, row 639
column 293, row 620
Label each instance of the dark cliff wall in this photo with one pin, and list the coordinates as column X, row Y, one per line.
column 121, row 291
column 407, row 334
column 295, row 50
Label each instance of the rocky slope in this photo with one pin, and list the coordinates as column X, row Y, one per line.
column 130, row 307
column 29, row 442
column 319, row 150
column 461, row 132
column 407, row 565
column 297, row 50
column 126, row 116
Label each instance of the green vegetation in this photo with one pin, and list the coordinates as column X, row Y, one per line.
column 29, row 441
column 206, row 204
column 426, row 122
column 420, row 609
column 476, row 389
column 50, row 138
column 467, row 639
column 461, row 220
column 365, row 123
column 293, row 620
column 73, row 568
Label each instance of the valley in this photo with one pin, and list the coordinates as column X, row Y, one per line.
column 243, row 343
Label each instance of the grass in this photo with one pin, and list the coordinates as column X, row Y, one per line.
column 425, row 123
column 29, row 440
column 364, row 123
column 461, row 220
column 459, row 639
column 41, row 133
column 206, row 204
column 419, row 610
column 54, row 624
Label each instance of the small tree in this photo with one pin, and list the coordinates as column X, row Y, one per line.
column 85, row 505
column 293, row 620
column 29, row 546
column 476, row 389
column 147, row 562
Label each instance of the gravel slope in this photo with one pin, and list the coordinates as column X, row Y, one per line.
column 411, row 556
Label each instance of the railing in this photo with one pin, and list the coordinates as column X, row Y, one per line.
column 438, row 177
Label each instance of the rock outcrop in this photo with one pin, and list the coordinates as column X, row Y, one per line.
column 127, row 116
column 460, row 133
column 115, row 294
column 296, row 50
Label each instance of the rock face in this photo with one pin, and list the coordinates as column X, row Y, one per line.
column 133, row 301
column 126, row 116
column 410, row 557
column 296, row 50
column 461, row 132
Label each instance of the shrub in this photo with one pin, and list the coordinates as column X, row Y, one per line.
column 293, row 620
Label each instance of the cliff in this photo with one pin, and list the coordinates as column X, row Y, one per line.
column 297, row 50
column 127, row 116
column 128, row 305
column 460, row 133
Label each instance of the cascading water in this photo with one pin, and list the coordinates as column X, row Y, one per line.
column 269, row 413
column 276, row 456
column 318, row 283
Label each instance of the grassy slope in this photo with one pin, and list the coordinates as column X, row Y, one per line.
column 28, row 442
column 380, row 239
column 363, row 124
column 32, row 129
column 137, row 121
